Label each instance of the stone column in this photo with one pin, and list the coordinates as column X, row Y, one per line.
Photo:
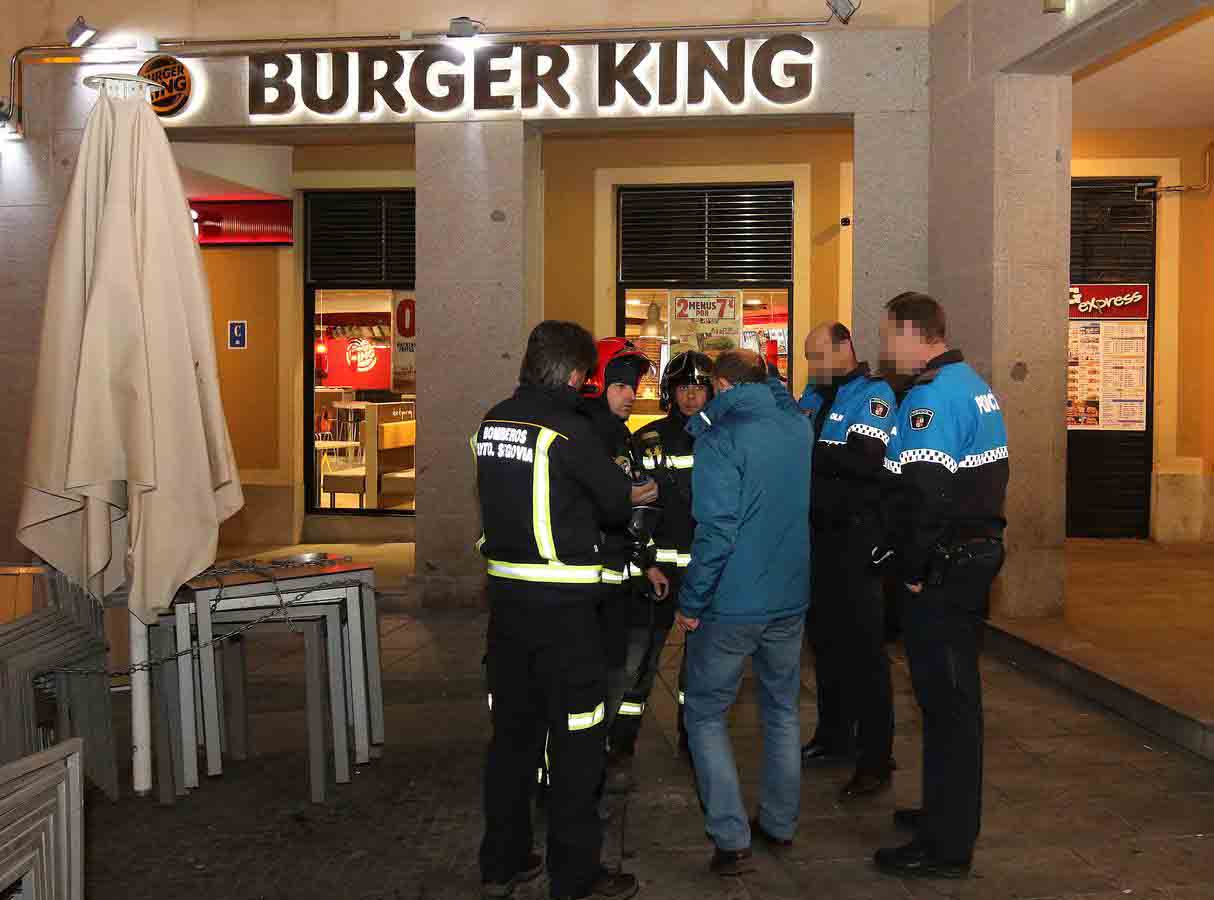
column 1000, row 246
column 891, row 205
column 472, row 306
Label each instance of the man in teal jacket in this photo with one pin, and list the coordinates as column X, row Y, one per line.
column 745, row 595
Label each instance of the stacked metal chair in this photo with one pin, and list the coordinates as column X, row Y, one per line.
column 64, row 632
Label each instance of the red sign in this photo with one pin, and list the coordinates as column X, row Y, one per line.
column 242, row 221
column 406, row 317
column 1110, row 301
column 355, row 363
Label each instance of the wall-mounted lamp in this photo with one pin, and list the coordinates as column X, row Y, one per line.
column 1054, row 6
column 80, row 33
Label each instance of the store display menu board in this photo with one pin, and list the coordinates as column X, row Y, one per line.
column 708, row 321
column 1107, row 358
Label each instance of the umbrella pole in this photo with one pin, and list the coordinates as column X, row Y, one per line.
column 141, row 710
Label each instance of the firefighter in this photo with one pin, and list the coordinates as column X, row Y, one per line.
column 607, row 400
column 949, row 452
column 546, row 491
column 665, row 450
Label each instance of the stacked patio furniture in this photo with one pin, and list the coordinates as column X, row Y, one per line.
column 60, row 628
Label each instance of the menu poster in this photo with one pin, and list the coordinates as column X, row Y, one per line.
column 707, row 321
column 1106, row 378
column 404, row 343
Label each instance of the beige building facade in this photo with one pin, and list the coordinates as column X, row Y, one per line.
column 941, row 132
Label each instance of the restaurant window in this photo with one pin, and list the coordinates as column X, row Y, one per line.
column 705, row 268
column 360, row 352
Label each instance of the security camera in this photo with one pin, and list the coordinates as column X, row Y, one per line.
column 844, row 9
column 464, row 27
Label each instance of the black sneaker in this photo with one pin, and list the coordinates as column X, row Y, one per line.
column 816, row 754
column 494, row 889
column 618, row 886
column 766, row 837
column 908, row 818
column 731, row 862
column 865, row 785
column 917, row 860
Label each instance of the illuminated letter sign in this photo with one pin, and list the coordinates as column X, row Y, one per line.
column 762, row 71
column 261, row 82
column 533, row 81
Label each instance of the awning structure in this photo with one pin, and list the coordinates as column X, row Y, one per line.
column 227, row 212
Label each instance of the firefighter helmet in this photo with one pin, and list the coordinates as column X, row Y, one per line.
column 620, row 362
column 690, row 367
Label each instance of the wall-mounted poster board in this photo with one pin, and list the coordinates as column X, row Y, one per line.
column 1107, row 358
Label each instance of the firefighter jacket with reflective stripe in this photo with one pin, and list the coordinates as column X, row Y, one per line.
column 616, row 441
column 949, row 452
column 667, row 453
column 853, row 416
column 546, row 489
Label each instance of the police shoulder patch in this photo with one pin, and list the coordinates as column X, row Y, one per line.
column 878, row 407
column 921, row 418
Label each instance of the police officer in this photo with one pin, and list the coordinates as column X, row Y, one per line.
column 665, row 450
column 853, row 414
column 546, row 490
column 607, row 399
column 950, row 455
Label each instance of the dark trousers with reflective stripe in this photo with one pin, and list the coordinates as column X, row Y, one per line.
column 847, row 619
column 944, row 626
column 633, row 683
column 548, row 677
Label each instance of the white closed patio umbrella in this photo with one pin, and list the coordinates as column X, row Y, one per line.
column 130, row 468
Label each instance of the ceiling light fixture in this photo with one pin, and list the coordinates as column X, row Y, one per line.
column 80, row 33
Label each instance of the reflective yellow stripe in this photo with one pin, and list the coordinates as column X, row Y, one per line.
column 671, row 462
column 582, row 721
column 541, row 500
column 631, row 709
column 480, row 543
column 682, row 560
column 610, row 576
column 682, row 698
column 553, row 573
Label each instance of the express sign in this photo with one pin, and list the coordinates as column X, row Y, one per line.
column 1110, row 301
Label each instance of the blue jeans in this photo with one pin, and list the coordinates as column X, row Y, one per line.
column 716, row 654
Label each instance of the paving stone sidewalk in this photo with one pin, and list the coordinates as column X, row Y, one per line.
column 1079, row 804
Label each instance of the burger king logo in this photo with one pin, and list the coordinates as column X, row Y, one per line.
column 360, row 355
column 175, row 82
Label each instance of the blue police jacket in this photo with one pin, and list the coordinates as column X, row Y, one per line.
column 853, row 416
column 750, row 500
column 949, row 453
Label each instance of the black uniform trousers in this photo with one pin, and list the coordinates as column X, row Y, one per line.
column 633, row 683
column 547, row 677
column 847, row 632
column 944, row 625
